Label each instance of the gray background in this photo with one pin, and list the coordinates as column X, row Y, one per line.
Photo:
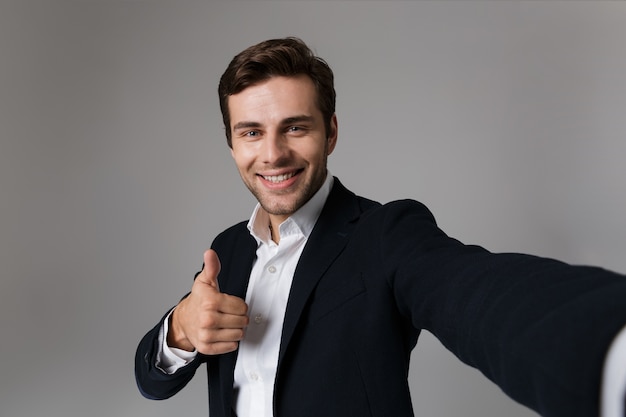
column 506, row 118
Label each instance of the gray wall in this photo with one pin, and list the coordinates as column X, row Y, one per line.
column 506, row 118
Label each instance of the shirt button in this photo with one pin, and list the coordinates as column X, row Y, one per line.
column 258, row 319
column 254, row 376
column 272, row 269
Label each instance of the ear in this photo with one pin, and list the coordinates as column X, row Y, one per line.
column 332, row 135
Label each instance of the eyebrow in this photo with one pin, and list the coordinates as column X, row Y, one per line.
column 287, row 121
column 246, row 125
column 298, row 119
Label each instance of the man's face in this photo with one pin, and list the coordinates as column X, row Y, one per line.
column 279, row 142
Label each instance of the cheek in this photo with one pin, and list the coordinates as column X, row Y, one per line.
column 241, row 157
column 313, row 152
column 242, row 165
column 317, row 155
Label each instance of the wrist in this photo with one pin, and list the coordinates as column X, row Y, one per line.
column 176, row 337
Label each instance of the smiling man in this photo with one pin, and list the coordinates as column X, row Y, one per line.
column 313, row 306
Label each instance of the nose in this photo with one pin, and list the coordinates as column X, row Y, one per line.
column 275, row 148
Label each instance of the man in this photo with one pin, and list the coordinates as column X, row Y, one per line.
column 312, row 307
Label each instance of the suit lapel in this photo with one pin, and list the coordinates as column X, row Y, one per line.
column 326, row 242
column 239, row 274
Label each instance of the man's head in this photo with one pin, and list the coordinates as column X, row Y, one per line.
column 278, row 105
column 272, row 58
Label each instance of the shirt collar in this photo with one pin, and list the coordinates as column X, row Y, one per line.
column 302, row 221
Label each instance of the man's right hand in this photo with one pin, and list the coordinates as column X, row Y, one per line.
column 207, row 320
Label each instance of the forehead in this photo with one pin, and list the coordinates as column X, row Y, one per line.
column 274, row 98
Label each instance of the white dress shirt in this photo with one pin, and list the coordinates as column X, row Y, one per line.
column 614, row 378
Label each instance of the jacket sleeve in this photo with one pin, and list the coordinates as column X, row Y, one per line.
column 537, row 327
column 152, row 382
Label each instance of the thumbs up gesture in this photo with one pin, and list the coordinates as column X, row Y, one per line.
column 207, row 320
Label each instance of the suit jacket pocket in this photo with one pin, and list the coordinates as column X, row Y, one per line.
column 333, row 292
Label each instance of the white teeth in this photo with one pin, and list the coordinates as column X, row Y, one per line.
column 279, row 178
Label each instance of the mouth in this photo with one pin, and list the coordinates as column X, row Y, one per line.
column 277, row 179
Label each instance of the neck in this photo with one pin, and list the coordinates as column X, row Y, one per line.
column 274, row 232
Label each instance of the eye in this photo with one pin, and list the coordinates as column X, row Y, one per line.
column 252, row 133
column 296, row 130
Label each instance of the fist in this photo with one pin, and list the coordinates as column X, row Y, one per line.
column 207, row 320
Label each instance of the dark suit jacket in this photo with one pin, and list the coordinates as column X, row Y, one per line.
column 372, row 276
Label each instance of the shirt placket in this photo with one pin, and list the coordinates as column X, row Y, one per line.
column 256, row 365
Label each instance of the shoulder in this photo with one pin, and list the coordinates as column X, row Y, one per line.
column 402, row 210
column 233, row 235
column 402, row 223
column 397, row 208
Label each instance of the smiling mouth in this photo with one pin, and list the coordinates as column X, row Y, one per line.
column 275, row 179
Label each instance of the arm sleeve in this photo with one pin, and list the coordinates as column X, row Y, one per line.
column 170, row 359
column 154, row 383
column 538, row 328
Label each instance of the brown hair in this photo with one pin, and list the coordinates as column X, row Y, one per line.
column 277, row 57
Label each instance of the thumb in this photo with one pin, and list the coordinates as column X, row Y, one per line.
column 211, row 269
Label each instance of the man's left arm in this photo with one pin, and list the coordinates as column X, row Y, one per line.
column 539, row 328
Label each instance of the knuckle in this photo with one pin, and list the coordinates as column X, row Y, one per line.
column 206, row 337
column 210, row 321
